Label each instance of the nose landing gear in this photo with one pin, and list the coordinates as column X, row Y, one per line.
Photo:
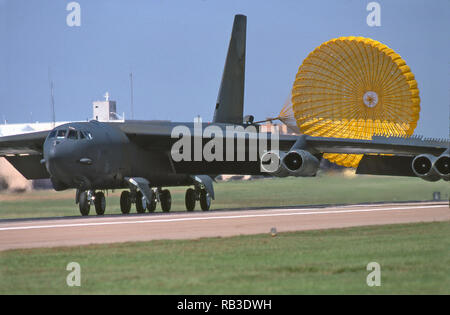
column 86, row 198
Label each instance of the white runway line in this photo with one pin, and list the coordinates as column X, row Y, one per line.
column 316, row 212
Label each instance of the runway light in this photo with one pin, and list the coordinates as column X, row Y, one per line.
column 273, row 232
column 436, row 196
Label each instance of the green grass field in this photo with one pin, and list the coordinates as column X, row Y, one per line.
column 414, row 259
column 324, row 189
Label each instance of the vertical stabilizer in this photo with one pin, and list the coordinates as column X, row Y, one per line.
column 230, row 101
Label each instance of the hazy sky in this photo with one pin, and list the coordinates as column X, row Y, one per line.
column 176, row 51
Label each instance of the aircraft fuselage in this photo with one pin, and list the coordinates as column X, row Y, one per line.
column 94, row 155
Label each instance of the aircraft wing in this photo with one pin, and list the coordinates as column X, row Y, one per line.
column 158, row 135
column 410, row 146
column 400, row 152
column 24, row 152
column 397, row 157
column 28, row 143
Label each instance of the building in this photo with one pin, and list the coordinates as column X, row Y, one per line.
column 101, row 111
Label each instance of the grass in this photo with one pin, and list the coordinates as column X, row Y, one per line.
column 414, row 259
column 324, row 189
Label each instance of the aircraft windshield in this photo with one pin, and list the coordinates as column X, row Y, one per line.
column 86, row 135
column 52, row 134
column 70, row 134
column 73, row 134
column 61, row 133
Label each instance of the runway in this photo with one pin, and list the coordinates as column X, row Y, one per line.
column 74, row 231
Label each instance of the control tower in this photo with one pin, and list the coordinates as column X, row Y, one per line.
column 105, row 110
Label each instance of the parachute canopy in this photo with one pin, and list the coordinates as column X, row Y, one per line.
column 353, row 87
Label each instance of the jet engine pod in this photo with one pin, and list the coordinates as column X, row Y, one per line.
column 442, row 166
column 271, row 163
column 423, row 167
column 300, row 163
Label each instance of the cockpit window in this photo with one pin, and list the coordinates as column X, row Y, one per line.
column 72, row 134
column 52, row 134
column 82, row 136
column 61, row 133
column 86, row 135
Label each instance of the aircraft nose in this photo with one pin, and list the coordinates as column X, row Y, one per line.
column 51, row 154
column 54, row 156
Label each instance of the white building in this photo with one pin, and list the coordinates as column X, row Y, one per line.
column 102, row 111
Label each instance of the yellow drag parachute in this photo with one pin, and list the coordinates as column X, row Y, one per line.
column 353, row 87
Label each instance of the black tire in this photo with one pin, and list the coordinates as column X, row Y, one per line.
column 100, row 203
column 125, row 202
column 166, row 200
column 141, row 203
column 205, row 200
column 84, row 204
column 190, row 199
column 152, row 205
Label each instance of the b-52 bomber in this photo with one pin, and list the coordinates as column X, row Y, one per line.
column 143, row 157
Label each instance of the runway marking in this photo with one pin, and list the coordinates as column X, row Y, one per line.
column 317, row 212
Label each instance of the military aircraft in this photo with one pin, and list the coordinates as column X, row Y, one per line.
column 137, row 156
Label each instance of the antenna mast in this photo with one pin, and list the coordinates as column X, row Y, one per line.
column 131, row 95
column 52, row 98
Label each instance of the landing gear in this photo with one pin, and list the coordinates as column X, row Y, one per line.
column 190, row 199
column 205, row 200
column 141, row 202
column 166, row 200
column 125, row 202
column 152, row 205
column 192, row 195
column 87, row 198
column 100, row 203
column 84, row 203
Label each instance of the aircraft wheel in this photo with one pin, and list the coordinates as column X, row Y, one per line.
column 205, row 200
column 190, row 199
column 100, row 203
column 152, row 205
column 84, row 204
column 125, row 202
column 141, row 203
column 166, row 200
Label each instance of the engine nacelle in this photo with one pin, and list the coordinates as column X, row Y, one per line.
column 294, row 163
column 423, row 167
column 300, row 163
column 271, row 163
column 442, row 166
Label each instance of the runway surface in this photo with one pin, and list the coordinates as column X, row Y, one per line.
column 55, row 232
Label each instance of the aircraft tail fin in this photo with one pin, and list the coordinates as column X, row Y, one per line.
column 230, row 101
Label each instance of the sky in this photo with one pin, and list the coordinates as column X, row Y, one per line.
column 176, row 51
